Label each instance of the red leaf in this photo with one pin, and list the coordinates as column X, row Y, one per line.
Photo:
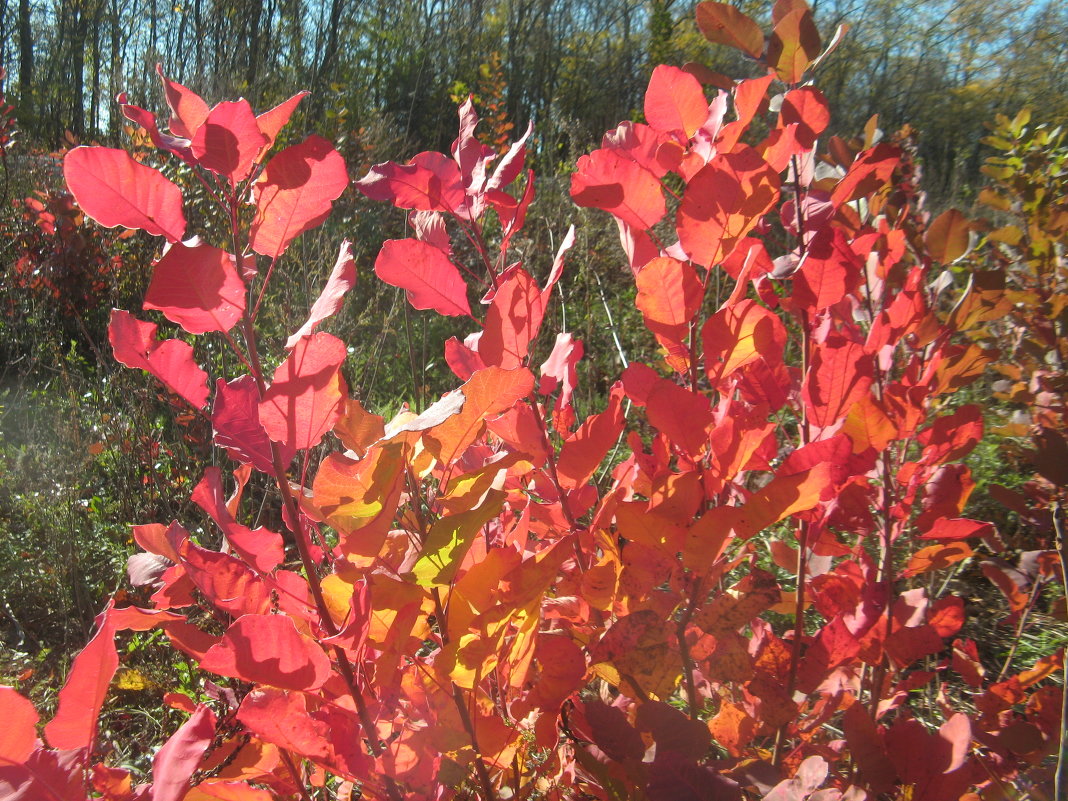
column 937, row 558
column 947, row 616
column 512, row 321
column 840, row 375
column 307, row 393
column 724, row 24
column 274, row 120
column 342, row 279
column 723, row 202
column 808, row 108
column 867, row 174
column 430, row 280
column 46, row 775
column 487, row 392
column 957, row 528
column 669, row 296
column 18, row 737
column 174, row 763
column 952, row 436
column 226, row 582
column 829, row 271
column 429, row 182
column 229, row 140
column 748, row 98
column 611, row 731
column 268, row 649
column 235, row 422
column 794, row 45
column 675, row 101
column 329, row 736
column 684, row 417
column 784, row 496
column 262, row 549
column 868, row 748
column 295, row 193
column 608, row 180
column 115, row 190
column 188, row 109
column 197, row 287
column 932, row 762
column 583, row 452
column 673, row 731
column 171, row 361
column 82, row 697
column 739, row 335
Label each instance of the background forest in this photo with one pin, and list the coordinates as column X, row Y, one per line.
column 385, row 70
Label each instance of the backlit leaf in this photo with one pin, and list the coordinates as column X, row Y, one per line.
column 307, row 393
column 426, row 275
column 675, row 101
column 197, row 286
column 342, row 279
column 723, row 202
column 229, row 140
column 268, row 649
column 171, row 361
column 947, row 236
column 608, row 180
column 794, row 45
column 722, row 23
column 83, row 694
column 18, row 736
column 295, row 193
column 429, row 182
column 115, row 190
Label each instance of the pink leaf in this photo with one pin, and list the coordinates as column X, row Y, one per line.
column 235, row 422
column 18, row 736
column 329, row 736
column 268, row 649
column 609, row 181
column 171, row 361
column 840, row 375
column 306, row 396
column 82, row 697
column 559, row 370
column 262, row 549
column 188, row 109
column 229, row 140
column 429, row 182
column 675, row 101
column 342, row 279
column 957, row 528
column 829, row 271
column 723, row 202
column 430, row 280
column 226, row 582
column 46, row 775
column 295, row 193
column 174, row 763
column 115, row 190
column 197, row 287
column 274, row 120
column 808, row 108
column 512, row 321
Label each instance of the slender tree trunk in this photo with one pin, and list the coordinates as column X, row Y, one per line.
column 25, row 55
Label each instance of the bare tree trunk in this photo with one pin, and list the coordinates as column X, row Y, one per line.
column 25, row 55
